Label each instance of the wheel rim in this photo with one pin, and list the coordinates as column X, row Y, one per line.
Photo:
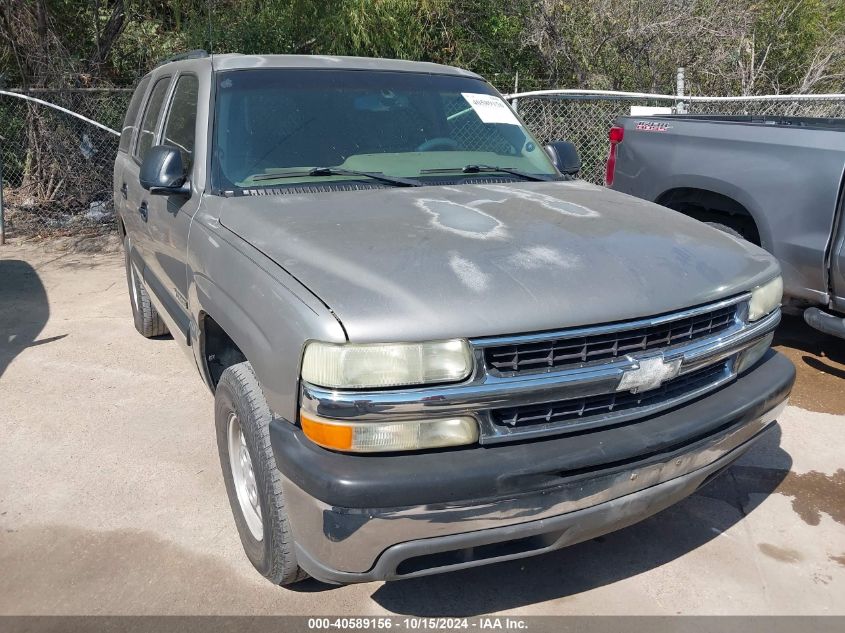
column 243, row 476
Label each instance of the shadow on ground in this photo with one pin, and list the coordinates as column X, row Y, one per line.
column 62, row 569
column 24, row 310
column 794, row 333
column 820, row 361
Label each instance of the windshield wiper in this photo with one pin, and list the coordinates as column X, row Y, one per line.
column 340, row 171
column 486, row 169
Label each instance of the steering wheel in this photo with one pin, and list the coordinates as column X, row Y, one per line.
column 440, row 142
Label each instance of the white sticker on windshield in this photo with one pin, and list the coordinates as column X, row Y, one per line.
column 490, row 108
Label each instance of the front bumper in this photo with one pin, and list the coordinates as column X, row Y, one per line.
column 359, row 518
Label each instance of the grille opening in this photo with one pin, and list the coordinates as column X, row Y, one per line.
column 573, row 352
column 477, row 554
column 577, row 409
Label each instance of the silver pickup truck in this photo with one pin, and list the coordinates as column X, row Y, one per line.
column 431, row 346
column 778, row 182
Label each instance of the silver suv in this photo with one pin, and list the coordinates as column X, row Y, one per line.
column 431, row 345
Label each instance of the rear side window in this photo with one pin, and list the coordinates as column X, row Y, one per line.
column 182, row 118
column 149, row 123
column 131, row 116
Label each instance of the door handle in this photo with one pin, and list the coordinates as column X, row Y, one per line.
column 143, row 211
column 124, row 191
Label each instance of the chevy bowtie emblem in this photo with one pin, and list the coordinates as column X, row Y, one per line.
column 652, row 372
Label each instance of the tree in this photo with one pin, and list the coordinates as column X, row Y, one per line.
column 727, row 46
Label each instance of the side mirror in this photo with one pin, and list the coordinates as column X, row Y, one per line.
column 163, row 173
column 565, row 157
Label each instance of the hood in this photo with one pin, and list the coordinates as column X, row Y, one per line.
column 424, row 263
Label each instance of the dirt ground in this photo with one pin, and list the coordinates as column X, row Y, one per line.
column 112, row 502
column 820, row 359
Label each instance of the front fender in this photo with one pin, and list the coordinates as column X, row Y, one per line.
column 265, row 311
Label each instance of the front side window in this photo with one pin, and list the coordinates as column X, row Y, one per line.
column 272, row 126
column 131, row 115
column 149, row 123
column 179, row 131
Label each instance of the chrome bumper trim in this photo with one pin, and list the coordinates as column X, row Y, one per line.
column 485, row 392
column 351, row 540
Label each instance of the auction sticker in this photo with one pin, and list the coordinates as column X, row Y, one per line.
column 490, row 108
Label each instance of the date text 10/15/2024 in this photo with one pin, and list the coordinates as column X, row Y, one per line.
column 417, row 624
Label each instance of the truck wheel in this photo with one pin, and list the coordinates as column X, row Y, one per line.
column 253, row 483
column 726, row 229
column 147, row 320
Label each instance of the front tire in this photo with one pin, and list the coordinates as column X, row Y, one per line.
column 253, row 482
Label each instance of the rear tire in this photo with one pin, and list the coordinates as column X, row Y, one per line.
column 253, row 482
column 148, row 322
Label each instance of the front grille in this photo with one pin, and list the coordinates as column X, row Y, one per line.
column 578, row 409
column 568, row 352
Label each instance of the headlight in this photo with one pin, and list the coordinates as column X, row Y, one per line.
column 765, row 298
column 352, row 366
column 375, row 437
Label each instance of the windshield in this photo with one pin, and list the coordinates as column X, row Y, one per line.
column 274, row 127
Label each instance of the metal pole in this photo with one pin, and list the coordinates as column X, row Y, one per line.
column 17, row 95
column 680, row 106
column 2, row 217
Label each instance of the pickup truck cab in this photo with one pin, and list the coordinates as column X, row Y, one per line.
column 431, row 346
column 778, row 182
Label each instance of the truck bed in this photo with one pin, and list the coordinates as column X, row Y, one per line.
column 835, row 125
column 774, row 179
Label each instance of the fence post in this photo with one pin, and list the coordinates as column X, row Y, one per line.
column 680, row 106
column 2, row 215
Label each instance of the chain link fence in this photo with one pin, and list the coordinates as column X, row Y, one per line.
column 57, row 147
column 584, row 117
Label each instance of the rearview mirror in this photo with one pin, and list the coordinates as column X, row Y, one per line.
column 163, row 172
column 565, row 157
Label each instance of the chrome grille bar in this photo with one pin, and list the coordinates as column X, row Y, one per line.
column 583, row 347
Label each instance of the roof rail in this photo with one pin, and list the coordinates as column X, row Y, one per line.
column 197, row 53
